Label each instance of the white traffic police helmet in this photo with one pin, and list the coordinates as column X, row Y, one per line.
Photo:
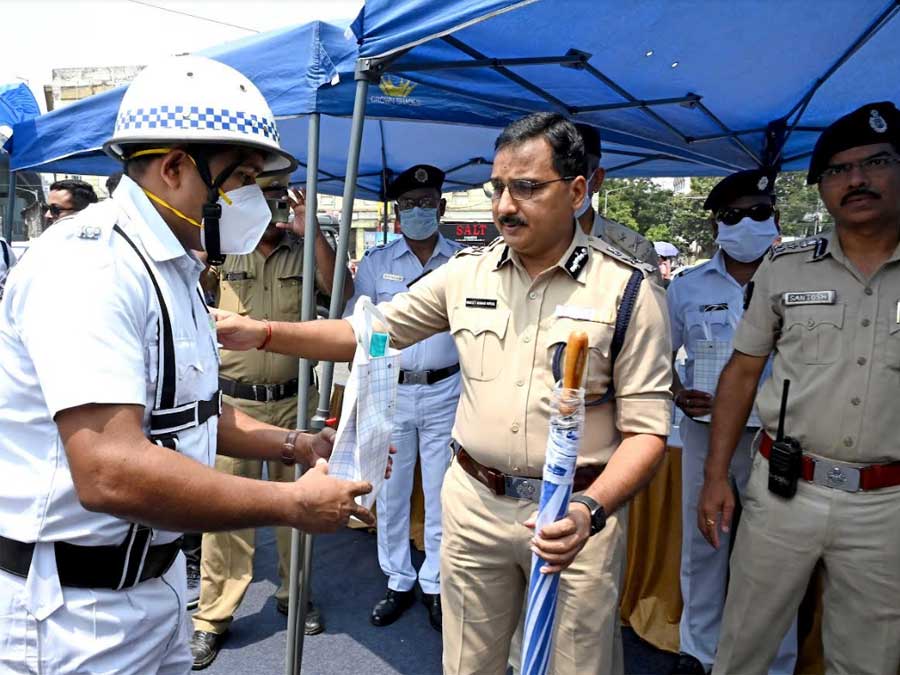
column 195, row 100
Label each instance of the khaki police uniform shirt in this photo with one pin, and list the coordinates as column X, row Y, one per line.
column 506, row 326
column 627, row 240
column 836, row 337
column 264, row 288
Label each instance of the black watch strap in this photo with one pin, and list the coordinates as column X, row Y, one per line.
column 598, row 515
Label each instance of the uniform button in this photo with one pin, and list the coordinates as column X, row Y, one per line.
column 532, row 295
column 515, row 428
column 265, row 288
column 868, row 291
column 861, row 360
column 527, row 338
column 520, row 383
column 865, row 323
column 848, row 442
column 855, row 400
column 810, row 322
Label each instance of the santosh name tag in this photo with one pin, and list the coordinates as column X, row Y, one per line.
column 574, row 312
column 809, row 298
column 481, row 303
column 392, row 277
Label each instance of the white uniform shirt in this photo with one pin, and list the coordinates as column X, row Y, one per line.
column 705, row 303
column 78, row 325
column 388, row 270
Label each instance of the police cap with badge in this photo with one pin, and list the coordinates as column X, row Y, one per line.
column 750, row 183
column 415, row 178
column 870, row 124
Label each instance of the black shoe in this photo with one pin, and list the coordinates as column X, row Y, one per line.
column 205, row 647
column 314, row 623
column 433, row 604
column 390, row 609
column 688, row 665
column 192, row 599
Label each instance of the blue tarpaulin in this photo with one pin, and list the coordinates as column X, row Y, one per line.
column 16, row 104
column 696, row 76
column 310, row 68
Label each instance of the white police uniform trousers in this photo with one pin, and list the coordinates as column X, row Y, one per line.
column 423, row 420
column 704, row 570
column 135, row 631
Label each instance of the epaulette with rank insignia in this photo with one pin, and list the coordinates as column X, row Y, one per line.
column 798, row 246
column 471, row 250
column 613, row 252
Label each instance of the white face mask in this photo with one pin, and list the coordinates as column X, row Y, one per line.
column 418, row 223
column 586, row 203
column 243, row 221
column 748, row 240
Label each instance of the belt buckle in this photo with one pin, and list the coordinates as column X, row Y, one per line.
column 836, row 475
column 415, row 377
column 271, row 392
column 518, row 487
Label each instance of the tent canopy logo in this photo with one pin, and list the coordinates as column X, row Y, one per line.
column 395, row 91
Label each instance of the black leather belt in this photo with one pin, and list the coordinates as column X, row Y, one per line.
column 94, row 566
column 427, row 376
column 259, row 392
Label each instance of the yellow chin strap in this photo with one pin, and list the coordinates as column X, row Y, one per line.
column 162, row 202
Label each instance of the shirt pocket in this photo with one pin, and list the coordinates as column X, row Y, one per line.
column 288, row 297
column 598, row 375
column 236, row 295
column 479, row 336
column 189, row 371
column 817, row 331
column 385, row 289
column 893, row 339
column 711, row 325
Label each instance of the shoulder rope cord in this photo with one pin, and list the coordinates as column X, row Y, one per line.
column 165, row 418
column 623, row 319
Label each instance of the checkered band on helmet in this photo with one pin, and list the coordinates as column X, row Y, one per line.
column 180, row 117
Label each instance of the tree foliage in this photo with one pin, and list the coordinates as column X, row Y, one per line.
column 663, row 215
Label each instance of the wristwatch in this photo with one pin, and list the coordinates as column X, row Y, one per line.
column 289, row 447
column 598, row 515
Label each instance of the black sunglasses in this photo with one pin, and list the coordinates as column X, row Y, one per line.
column 55, row 210
column 732, row 216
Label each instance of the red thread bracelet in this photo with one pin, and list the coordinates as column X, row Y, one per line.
column 265, row 342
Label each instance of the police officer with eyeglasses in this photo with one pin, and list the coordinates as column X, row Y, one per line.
column 825, row 485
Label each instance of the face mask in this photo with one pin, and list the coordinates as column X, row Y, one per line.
column 748, row 240
column 418, row 223
column 586, row 204
column 245, row 216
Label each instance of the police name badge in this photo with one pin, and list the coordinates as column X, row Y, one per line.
column 809, row 298
column 387, row 276
column 481, row 303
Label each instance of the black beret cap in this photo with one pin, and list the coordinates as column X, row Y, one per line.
column 415, row 178
column 591, row 137
column 748, row 183
column 870, row 124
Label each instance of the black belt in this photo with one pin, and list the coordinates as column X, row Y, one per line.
column 427, row 376
column 259, row 392
column 113, row 567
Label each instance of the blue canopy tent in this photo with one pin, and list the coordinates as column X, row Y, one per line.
column 16, row 104
column 725, row 86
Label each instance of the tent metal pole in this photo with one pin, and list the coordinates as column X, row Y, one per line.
column 508, row 74
column 384, row 183
column 486, row 62
column 301, row 542
column 10, row 212
column 649, row 103
column 326, row 375
column 734, row 139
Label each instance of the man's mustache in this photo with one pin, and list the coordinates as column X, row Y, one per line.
column 512, row 221
column 859, row 193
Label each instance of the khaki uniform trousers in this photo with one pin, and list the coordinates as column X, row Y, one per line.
column 485, row 565
column 226, row 563
column 857, row 535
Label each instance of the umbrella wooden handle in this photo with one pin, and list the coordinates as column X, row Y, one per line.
column 576, row 358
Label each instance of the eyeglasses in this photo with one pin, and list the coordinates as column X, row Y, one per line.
column 407, row 203
column 732, row 216
column 519, row 188
column 869, row 167
column 55, row 210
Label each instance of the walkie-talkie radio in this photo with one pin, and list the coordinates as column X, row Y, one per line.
column 786, row 459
